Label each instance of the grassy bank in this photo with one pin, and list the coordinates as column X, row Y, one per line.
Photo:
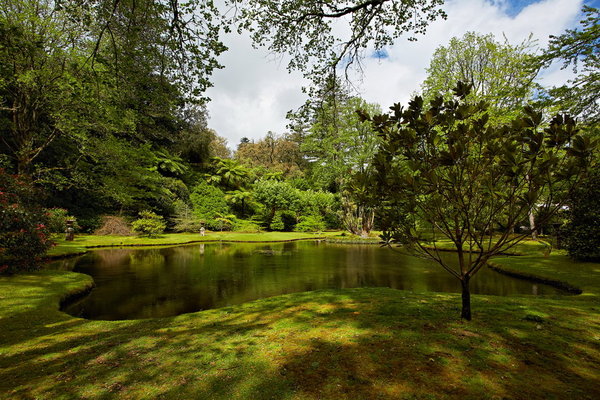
column 84, row 242
column 330, row 344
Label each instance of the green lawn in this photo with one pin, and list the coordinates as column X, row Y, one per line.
column 328, row 344
column 84, row 242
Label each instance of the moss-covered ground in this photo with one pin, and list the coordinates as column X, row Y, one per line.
column 329, row 344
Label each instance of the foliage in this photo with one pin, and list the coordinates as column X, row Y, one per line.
column 274, row 153
column 149, row 224
column 583, row 230
column 184, row 219
column 310, row 223
column 208, row 201
column 242, row 225
column 499, row 72
column 57, row 220
column 284, row 220
column 305, row 29
column 448, row 166
column 579, row 48
column 24, row 237
column 275, row 196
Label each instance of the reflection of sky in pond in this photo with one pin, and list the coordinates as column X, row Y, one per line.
column 170, row 281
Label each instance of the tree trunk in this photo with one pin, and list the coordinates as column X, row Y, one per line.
column 466, row 299
column 532, row 226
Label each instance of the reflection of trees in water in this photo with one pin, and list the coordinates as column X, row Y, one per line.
column 170, row 281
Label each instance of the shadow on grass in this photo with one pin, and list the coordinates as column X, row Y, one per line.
column 329, row 344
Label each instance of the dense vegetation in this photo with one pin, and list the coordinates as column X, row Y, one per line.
column 103, row 114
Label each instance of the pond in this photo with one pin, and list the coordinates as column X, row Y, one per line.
column 160, row 282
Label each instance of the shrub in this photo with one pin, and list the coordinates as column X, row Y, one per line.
column 149, row 224
column 57, row 220
column 113, row 225
column 310, row 223
column 242, row 225
column 283, row 221
column 184, row 220
column 24, row 236
column 208, row 201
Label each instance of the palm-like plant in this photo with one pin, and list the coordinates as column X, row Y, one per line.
column 229, row 172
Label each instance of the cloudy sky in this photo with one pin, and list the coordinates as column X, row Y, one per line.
column 254, row 91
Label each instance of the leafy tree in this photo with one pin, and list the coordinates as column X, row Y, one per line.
column 229, row 173
column 500, row 73
column 447, row 166
column 274, row 153
column 580, row 49
column 583, row 230
column 305, row 29
column 274, row 196
column 208, row 201
column 339, row 145
column 149, row 224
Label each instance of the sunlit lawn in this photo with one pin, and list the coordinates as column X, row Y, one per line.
column 330, row 344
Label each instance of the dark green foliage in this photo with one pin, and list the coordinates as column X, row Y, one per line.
column 149, row 224
column 582, row 233
column 456, row 172
column 24, row 236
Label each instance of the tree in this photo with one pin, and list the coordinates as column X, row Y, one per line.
column 500, row 73
column 274, row 153
column 305, row 29
column 583, row 229
column 340, row 147
column 446, row 166
column 580, row 49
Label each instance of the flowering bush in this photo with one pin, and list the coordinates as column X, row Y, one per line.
column 24, row 236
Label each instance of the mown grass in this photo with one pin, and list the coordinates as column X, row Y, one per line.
column 84, row 242
column 330, row 344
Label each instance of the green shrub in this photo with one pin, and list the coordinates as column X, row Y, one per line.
column 310, row 223
column 24, row 236
column 57, row 220
column 242, row 225
column 149, row 224
column 208, row 201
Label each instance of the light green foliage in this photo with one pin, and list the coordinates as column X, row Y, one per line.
column 579, row 48
column 208, row 201
column 184, row 219
column 275, row 196
column 149, row 224
column 249, row 226
column 57, row 220
column 500, row 73
column 310, row 223
column 447, row 165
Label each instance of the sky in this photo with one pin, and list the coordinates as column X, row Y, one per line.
column 254, row 91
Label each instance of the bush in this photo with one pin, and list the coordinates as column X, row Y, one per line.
column 242, row 225
column 149, row 224
column 208, row 201
column 113, row 225
column 57, row 220
column 24, row 236
column 184, row 220
column 310, row 223
column 283, row 221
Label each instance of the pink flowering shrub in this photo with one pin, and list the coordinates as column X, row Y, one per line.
column 24, row 237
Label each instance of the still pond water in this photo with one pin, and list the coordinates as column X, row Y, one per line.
column 160, row 282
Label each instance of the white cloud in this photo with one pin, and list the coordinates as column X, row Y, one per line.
column 253, row 93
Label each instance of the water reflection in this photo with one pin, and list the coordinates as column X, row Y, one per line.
column 162, row 282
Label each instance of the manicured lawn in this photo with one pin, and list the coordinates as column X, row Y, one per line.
column 84, row 242
column 329, row 344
